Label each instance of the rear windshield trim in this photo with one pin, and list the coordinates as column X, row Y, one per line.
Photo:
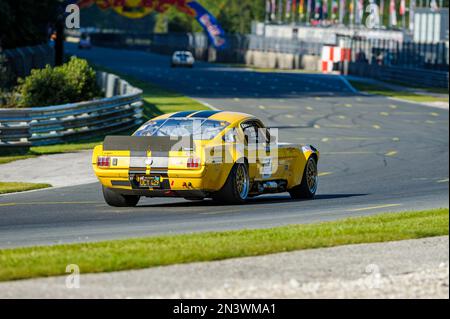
column 159, row 124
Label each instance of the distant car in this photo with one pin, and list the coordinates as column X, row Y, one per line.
column 226, row 156
column 183, row 59
column 85, row 42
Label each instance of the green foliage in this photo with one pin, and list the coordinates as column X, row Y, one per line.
column 81, row 78
column 137, row 253
column 72, row 82
column 234, row 16
column 109, row 19
column 13, row 187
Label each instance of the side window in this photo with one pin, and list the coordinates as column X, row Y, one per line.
column 251, row 131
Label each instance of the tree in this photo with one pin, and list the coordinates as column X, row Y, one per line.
column 234, row 16
column 25, row 22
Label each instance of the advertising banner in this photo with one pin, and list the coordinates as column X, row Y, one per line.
column 136, row 9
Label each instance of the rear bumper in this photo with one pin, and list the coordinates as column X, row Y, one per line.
column 164, row 193
column 174, row 183
column 170, row 187
column 182, row 63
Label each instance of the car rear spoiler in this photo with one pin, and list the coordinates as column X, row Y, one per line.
column 148, row 143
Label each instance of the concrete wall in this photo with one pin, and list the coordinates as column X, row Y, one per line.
column 284, row 61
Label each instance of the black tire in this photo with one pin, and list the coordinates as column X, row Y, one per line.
column 117, row 200
column 307, row 190
column 230, row 192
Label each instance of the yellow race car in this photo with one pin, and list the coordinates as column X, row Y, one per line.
column 226, row 156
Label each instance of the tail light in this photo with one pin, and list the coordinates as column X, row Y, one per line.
column 103, row 161
column 193, row 162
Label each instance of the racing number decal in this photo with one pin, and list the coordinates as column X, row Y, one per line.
column 266, row 167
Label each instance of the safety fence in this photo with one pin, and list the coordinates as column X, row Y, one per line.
column 198, row 43
column 405, row 54
column 21, row 61
column 121, row 109
column 386, row 59
column 409, row 76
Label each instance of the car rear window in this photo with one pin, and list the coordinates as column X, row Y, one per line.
column 183, row 55
column 200, row 129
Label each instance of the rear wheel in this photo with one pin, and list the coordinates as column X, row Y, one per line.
column 237, row 186
column 117, row 200
column 308, row 188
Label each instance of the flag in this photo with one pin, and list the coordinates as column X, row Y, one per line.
column 381, row 12
column 274, row 10
column 412, row 8
column 324, row 9
column 301, row 9
column 317, row 10
column 359, row 11
column 392, row 14
column 402, row 10
column 341, row 11
column 288, row 8
column 334, row 9
column 210, row 24
column 280, row 10
column 308, row 9
column 351, row 11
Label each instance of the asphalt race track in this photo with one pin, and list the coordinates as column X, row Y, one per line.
column 378, row 155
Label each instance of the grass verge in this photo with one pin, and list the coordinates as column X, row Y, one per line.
column 270, row 70
column 52, row 149
column 11, row 158
column 157, row 101
column 409, row 96
column 12, row 187
column 21, row 263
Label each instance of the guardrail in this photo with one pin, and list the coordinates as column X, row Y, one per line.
column 121, row 109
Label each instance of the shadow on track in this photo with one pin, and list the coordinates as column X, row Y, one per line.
column 263, row 200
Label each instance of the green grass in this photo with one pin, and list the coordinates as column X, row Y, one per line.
column 156, row 100
column 12, row 158
column 271, row 70
column 435, row 90
column 52, row 149
column 20, row 263
column 65, row 148
column 410, row 96
column 12, row 187
column 420, row 88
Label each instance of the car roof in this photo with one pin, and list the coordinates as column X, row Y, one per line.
column 227, row 116
column 182, row 52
